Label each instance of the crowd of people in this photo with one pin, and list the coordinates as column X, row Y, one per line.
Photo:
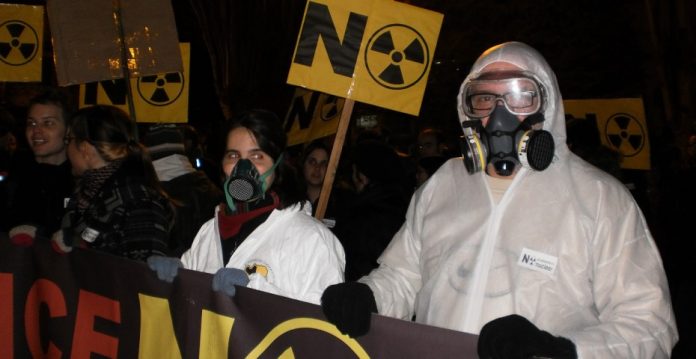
column 513, row 237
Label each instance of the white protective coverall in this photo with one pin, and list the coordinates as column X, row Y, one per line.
column 295, row 255
column 567, row 248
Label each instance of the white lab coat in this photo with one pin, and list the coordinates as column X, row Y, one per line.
column 296, row 256
column 567, row 248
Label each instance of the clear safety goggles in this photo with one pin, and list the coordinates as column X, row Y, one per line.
column 521, row 95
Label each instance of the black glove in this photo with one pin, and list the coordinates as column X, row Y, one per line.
column 514, row 336
column 349, row 306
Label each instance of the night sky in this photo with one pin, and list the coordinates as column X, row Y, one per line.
column 598, row 49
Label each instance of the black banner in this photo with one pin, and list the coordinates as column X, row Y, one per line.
column 88, row 303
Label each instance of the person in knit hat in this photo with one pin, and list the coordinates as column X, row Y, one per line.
column 193, row 193
column 164, row 140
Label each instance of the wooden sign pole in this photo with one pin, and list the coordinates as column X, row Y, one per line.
column 124, row 66
column 343, row 123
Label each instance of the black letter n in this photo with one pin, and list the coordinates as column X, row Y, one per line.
column 318, row 22
column 298, row 110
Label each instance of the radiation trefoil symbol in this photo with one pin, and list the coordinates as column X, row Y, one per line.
column 19, row 43
column 397, row 56
column 625, row 134
column 161, row 89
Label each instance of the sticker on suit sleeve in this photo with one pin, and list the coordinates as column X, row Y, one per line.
column 538, row 261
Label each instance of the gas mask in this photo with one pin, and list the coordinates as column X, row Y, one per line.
column 505, row 141
column 245, row 184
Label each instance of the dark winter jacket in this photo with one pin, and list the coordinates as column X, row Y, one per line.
column 195, row 197
column 37, row 194
column 127, row 219
column 367, row 224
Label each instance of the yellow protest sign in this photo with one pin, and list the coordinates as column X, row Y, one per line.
column 156, row 98
column 373, row 51
column 312, row 115
column 21, row 39
column 621, row 124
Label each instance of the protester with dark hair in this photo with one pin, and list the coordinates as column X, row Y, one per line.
column 263, row 236
column 520, row 241
column 40, row 182
column 431, row 142
column 193, row 193
column 118, row 207
column 367, row 222
column 314, row 160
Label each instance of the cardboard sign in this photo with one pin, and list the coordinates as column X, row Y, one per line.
column 87, row 39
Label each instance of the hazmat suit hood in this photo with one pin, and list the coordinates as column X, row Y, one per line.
column 529, row 60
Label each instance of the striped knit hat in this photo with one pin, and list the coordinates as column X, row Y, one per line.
column 164, row 140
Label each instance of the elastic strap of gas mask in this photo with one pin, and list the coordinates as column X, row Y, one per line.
column 262, row 178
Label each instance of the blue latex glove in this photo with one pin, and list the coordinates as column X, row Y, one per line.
column 226, row 278
column 166, row 267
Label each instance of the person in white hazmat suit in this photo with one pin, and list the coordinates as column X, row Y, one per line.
column 520, row 241
column 263, row 236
